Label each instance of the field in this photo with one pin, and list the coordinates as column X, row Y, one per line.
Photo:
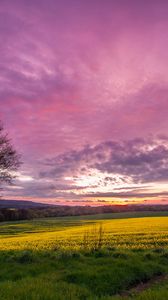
column 100, row 257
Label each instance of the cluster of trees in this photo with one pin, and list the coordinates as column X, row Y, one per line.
column 15, row 214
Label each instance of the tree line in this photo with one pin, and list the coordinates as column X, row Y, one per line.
column 16, row 214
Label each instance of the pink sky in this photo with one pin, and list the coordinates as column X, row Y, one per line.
column 84, row 98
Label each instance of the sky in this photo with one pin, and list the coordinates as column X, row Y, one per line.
column 84, row 99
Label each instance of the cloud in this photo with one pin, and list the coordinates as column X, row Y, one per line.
column 76, row 73
column 127, row 195
column 140, row 159
column 44, row 188
column 127, row 169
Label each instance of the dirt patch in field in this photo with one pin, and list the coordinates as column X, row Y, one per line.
column 142, row 286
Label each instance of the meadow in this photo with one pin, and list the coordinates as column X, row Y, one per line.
column 99, row 257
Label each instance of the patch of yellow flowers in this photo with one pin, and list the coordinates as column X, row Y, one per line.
column 143, row 233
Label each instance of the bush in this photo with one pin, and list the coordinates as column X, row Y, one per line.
column 148, row 256
column 25, row 257
column 159, row 250
column 165, row 255
column 120, row 255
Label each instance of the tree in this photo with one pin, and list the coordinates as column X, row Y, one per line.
column 9, row 159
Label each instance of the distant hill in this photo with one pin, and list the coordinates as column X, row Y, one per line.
column 22, row 204
column 14, row 210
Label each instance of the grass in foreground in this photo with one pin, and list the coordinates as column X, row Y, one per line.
column 77, row 275
column 58, row 260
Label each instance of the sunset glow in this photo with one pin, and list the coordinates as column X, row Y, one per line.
column 84, row 99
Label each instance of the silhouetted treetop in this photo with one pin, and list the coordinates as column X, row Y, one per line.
column 9, row 159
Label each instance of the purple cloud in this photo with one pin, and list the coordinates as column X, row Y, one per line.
column 76, row 73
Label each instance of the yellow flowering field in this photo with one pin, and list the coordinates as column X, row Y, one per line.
column 74, row 233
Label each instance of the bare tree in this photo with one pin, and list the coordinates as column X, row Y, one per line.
column 9, row 159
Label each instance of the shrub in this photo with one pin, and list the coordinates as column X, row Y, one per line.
column 148, row 256
column 25, row 257
column 159, row 250
column 120, row 255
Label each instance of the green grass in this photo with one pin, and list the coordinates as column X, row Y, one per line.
column 49, row 259
column 84, row 275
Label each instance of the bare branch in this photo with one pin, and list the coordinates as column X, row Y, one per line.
column 9, row 159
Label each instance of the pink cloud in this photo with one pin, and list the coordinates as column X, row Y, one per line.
column 76, row 73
